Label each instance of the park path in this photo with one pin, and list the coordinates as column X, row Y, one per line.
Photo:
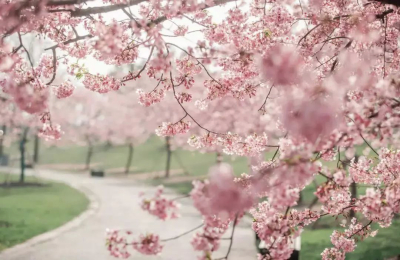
column 118, row 208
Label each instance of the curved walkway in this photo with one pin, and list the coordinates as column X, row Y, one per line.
column 115, row 205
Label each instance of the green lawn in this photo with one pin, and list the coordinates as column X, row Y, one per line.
column 385, row 244
column 148, row 157
column 29, row 211
column 151, row 156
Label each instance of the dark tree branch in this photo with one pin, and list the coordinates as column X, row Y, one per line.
column 144, row 66
column 27, row 52
column 198, row 61
column 310, row 31
column 231, row 240
column 384, row 46
column 71, row 41
column 382, row 15
column 184, row 109
column 54, row 67
column 389, row 2
column 265, row 101
column 369, row 145
column 185, row 233
column 361, row 229
column 110, row 8
column 98, row 9
column 66, row 2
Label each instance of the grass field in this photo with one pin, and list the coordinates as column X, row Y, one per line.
column 385, row 244
column 148, row 157
column 151, row 156
column 29, row 211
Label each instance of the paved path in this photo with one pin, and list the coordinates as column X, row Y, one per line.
column 118, row 208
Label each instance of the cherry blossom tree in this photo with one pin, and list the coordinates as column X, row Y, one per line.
column 17, row 127
column 83, row 118
column 111, row 119
column 324, row 71
column 130, row 123
column 168, row 110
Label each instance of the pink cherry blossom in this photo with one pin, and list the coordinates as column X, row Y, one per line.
column 221, row 196
column 160, row 206
column 332, row 254
column 148, row 244
column 305, row 83
column 101, row 84
column 340, row 241
column 51, row 131
column 120, row 242
column 168, row 129
column 147, row 99
column 311, row 119
column 65, row 90
column 281, row 65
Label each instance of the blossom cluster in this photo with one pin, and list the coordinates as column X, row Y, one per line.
column 147, row 99
column 160, row 206
column 120, row 242
column 170, row 129
column 221, row 196
column 65, row 90
column 50, row 131
column 101, row 84
column 231, row 144
column 345, row 242
column 323, row 74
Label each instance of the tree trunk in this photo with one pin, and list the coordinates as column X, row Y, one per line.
column 300, row 200
column 36, row 150
column 22, row 151
column 3, row 128
column 89, row 156
column 353, row 190
column 219, row 158
column 169, row 152
column 130, row 155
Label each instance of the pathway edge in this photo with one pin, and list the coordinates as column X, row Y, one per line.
column 94, row 205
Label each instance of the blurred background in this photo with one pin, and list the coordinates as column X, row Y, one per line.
column 30, row 205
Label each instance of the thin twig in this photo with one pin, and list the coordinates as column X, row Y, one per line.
column 384, row 48
column 200, row 63
column 71, row 41
column 27, row 52
column 186, row 113
column 231, row 239
column 305, row 36
column 54, row 67
column 181, row 235
column 144, row 66
column 182, row 197
column 361, row 229
column 369, row 145
column 265, row 101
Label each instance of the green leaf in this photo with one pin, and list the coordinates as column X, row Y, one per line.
column 79, row 75
column 267, row 33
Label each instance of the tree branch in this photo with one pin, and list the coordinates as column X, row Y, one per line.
column 185, row 233
column 111, row 8
column 27, row 52
column 71, row 41
column 66, row 2
column 54, row 67
column 231, row 240
column 389, row 2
